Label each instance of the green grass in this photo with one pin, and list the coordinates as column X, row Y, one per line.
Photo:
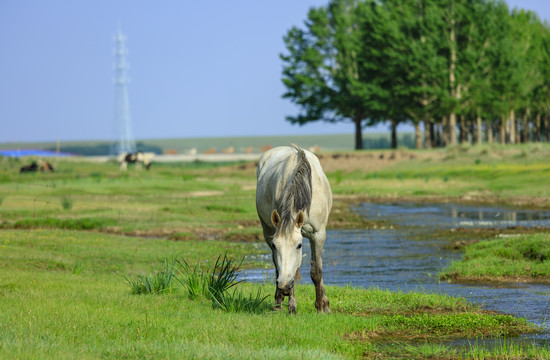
column 488, row 173
column 155, row 283
column 215, row 201
column 152, row 203
column 56, row 312
column 68, row 240
column 74, row 224
column 213, row 285
column 511, row 258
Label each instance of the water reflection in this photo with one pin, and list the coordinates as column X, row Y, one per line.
column 409, row 257
column 454, row 215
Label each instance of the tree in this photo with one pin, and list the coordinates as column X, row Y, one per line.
column 322, row 71
column 442, row 63
column 418, row 63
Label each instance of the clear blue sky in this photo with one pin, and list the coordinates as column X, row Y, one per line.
column 198, row 68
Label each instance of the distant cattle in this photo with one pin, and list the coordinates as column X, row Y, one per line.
column 46, row 167
column 34, row 167
column 210, row 151
column 314, row 149
column 265, row 148
column 139, row 158
column 229, row 150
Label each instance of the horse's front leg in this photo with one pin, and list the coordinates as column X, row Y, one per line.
column 291, row 302
column 268, row 236
column 317, row 242
column 279, row 297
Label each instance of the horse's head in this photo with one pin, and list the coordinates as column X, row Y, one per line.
column 286, row 247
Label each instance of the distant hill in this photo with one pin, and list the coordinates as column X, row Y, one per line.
column 336, row 142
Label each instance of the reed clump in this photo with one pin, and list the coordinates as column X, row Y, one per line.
column 214, row 284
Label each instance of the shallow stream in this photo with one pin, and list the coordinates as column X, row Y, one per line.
column 407, row 256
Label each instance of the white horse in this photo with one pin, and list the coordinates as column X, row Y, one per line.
column 293, row 200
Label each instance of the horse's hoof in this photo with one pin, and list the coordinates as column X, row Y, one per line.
column 323, row 308
column 292, row 310
column 277, row 308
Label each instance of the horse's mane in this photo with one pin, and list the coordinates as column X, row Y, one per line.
column 297, row 193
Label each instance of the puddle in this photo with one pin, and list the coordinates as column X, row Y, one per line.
column 409, row 258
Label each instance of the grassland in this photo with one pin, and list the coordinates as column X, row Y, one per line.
column 63, row 295
column 68, row 239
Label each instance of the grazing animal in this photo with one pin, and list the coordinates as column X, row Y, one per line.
column 293, row 200
column 139, row 158
column 265, row 148
column 229, row 150
column 33, row 167
column 46, row 166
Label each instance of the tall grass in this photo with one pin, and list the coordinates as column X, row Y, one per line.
column 67, row 203
column 155, row 283
column 193, row 279
column 215, row 285
column 238, row 302
column 223, row 277
column 212, row 285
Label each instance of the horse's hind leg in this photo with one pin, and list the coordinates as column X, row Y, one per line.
column 317, row 242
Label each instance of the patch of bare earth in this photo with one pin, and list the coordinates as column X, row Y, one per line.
column 366, row 161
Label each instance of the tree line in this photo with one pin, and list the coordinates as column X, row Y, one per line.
column 461, row 70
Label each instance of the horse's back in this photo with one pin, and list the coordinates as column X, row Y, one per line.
column 275, row 168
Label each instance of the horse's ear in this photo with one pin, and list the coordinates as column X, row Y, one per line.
column 275, row 218
column 300, row 219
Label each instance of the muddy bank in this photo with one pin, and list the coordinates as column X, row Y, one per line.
column 524, row 202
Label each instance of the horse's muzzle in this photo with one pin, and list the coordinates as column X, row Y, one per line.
column 285, row 288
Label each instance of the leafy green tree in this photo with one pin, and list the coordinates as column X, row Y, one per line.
column 440, row 63
column 322, row 72
column 418, row 62
column 540, row 99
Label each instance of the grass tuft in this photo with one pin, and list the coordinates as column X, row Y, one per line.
column 155, row 283
column 223, row 275
column 215, row 286
column 238, row 302
column 212, row 285
column 193, row 279
column 67, row 203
